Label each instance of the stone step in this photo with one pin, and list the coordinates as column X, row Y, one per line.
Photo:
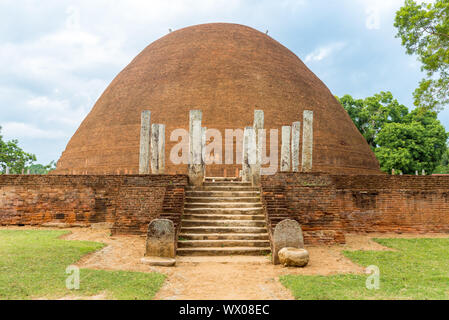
column 224, row 236
column 210, row 179
column 206, row 216
column 212, row 251
column 221, row 199
column 216, row 194
column 221, row 229
column 228, row 183
column 251, row 211
column 222, row 243
column 223, row 223
column 223, row 205
column 222, row 188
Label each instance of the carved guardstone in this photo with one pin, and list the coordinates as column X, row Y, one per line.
column 161, row 239
column 287, row 234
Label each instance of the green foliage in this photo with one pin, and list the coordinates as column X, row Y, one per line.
column 18, row 161
column 424, row 30
column 41, row 169
column 12, row 156
column 371, row 114
column 402, row 140
column 33, row 265
column 416, row 144
column 443, row 167
column 416, row 269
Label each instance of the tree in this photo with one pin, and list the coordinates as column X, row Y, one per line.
column 13, row 157
column 401, row 140
column 410, row 147
column 371, row 114
column 424, row 31
column 41, row 169
column 443, row 167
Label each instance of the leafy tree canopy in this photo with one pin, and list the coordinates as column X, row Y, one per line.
column 424, row 31
column 371, row 114
column 402, row 140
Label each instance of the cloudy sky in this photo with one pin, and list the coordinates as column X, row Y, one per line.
column 57, row 56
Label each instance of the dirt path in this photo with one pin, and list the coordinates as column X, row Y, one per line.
column 230, row 278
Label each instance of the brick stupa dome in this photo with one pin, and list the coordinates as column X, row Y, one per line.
column 227, row 71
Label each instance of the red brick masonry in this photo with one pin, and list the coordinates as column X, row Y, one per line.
column 327, row 206
column 130, row 202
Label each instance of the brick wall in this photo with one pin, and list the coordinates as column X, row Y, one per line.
column 130, row 202
column 327, row 206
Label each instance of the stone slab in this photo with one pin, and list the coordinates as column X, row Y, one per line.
column 158, row 261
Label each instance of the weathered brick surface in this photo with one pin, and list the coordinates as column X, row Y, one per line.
column 327, row 206
column 227, row 71
column 130, row 202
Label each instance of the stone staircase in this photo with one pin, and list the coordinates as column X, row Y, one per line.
column 224, row 217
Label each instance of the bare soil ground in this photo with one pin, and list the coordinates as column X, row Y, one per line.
column 197, row 278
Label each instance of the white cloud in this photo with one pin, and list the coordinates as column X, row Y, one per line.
column 324, row 52
column 25, row 130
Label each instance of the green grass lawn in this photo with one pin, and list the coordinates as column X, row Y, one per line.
column 33, row 265
column 417, row 269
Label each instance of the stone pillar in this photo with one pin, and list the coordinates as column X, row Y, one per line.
column 285, row 149
column 254, row 168
column 245, row 161
column 203, row 147
column 258, row 132
column 158, row 148
column 144, row 156
column 296, row 136
column 196, row 165
column 154, row 148
column 161, row 149
column 307, row 141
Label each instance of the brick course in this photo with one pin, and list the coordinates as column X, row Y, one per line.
column 326, row 206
